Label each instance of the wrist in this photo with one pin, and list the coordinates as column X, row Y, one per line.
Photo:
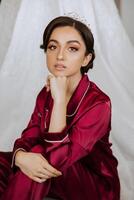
column 18, row 157
column 59, row 102
column 60, row 107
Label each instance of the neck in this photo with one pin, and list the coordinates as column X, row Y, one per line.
column 72, row 84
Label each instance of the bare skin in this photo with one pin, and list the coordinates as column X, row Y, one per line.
column 35, row 166
column 65, row 56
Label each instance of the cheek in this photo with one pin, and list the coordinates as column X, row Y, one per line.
column 76, row 58
column 48, row 62
column 49, row 58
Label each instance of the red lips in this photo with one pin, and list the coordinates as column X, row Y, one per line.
column 60, row 66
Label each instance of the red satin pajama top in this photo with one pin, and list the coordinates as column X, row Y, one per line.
column 82, row 150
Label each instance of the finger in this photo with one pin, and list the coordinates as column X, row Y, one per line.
column 47, row 84
column 51, row 169
column 43, row 176
column 36, row 178
column 50, row 76
column 47, row 88
column 47, row 174
column 39, row 180
column 48, row 79
column 44, row 173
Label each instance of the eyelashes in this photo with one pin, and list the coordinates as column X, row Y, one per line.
column 72, row 49
column 51, row 47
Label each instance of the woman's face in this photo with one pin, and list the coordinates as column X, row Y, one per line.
column 66, row 52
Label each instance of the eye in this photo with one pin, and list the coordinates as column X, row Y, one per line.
column 73, row 49
column 52, row 47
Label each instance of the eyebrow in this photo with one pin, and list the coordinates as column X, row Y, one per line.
column 68, row 42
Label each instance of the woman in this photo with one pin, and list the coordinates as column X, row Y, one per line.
column 65, row 152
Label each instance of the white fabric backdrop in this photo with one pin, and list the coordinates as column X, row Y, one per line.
column 23, row 72
column 8, row 13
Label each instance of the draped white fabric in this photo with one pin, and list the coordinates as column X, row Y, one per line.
column 23, row 73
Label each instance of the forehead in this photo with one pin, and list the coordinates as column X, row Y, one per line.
column 66, row 33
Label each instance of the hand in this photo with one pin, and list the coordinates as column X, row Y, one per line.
column 58, row 87
column 35, row 166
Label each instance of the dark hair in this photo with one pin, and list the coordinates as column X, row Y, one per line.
column 84, row 31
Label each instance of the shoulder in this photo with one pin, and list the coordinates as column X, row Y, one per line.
column 98, row 93
column 96, row 96
column 42, row 93
column 41, row 97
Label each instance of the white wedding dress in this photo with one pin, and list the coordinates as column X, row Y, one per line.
column 23, row 72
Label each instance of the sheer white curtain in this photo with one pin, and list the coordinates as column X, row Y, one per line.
column 23, row 73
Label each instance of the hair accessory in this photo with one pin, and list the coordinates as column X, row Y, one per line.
column 76, row 16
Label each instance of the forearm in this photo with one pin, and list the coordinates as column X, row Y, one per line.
column 92, row 127
column 58, row 117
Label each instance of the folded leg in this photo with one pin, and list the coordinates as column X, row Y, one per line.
column 5, row 169
column 75, row 183
column 22, row 187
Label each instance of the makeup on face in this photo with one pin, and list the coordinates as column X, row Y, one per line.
column 65, row 51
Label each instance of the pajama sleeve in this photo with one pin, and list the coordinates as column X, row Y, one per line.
column 64, row 149
column 30, row 134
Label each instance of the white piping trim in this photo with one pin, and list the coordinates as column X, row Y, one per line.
column 79, row 102
column 51, row 141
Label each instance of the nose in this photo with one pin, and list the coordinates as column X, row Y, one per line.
column 60, row 54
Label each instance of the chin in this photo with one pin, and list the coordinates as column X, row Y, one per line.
column 59, row 73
